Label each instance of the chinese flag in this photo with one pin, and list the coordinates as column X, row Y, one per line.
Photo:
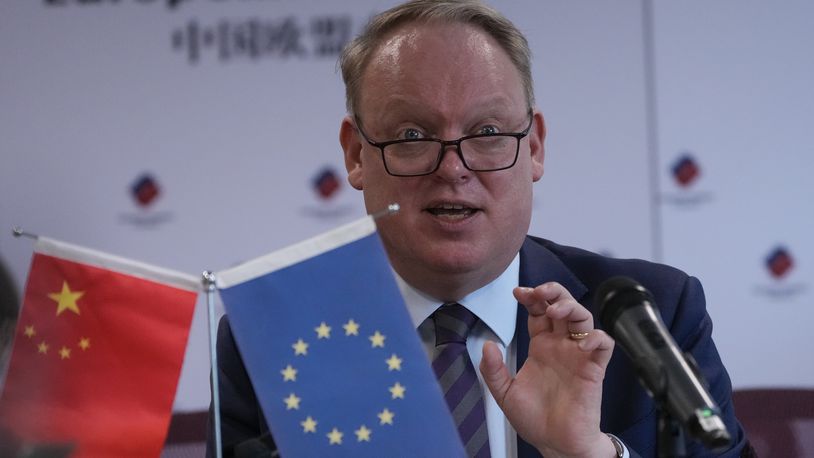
column 98, row 353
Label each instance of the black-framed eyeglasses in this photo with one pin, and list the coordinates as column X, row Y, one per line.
column 423, row 156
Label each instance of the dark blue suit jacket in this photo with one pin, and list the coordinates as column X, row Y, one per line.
column 627, row 410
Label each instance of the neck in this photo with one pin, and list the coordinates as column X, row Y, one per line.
column 446, row 286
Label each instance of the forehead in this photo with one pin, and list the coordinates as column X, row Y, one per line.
column 442, row 69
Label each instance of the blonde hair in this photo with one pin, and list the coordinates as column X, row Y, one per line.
column 357, row 53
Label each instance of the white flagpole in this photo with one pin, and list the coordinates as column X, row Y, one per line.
column 209, row 281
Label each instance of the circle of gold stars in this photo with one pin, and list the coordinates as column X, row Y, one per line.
column 310, row 425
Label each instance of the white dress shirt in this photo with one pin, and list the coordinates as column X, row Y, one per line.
column 496, row 307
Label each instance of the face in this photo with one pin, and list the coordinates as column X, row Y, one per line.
column 457, row 230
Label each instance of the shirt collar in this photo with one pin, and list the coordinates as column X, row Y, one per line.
column 494, row 304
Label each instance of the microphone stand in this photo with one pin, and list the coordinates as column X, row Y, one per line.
column 670, row 435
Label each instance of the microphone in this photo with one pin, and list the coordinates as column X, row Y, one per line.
column 628, row 313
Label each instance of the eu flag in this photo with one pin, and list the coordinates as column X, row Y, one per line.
column 333, row 356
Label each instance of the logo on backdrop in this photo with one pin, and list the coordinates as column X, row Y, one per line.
column 779, row 272
column 326, row 186
column 145, row 194
column 779, row 262
column 254, row 39
column 685, row 175
column 326, row 183
column 145, row 190
column 685, row 170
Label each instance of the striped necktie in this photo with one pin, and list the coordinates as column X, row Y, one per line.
column 457, row 376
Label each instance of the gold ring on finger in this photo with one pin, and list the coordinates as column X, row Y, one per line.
column 577, row 335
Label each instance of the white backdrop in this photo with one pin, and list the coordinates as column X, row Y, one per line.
column 231, row 109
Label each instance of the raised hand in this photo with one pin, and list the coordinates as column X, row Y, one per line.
column 554, row 401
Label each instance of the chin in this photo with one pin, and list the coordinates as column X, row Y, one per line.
column 454, row 260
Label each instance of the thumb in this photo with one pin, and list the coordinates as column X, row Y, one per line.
column 495, row 373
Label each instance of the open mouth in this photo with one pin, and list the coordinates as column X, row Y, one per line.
column 448, row 210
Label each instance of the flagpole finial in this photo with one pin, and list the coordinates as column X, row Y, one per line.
column 208, row 279
column 17, row 231
column 391, row 209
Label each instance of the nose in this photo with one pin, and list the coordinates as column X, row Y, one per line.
column 452, row 166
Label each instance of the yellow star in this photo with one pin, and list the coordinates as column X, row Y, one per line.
column 386, row 417
column 84, row 343
column 363, row 434
column 289, row 374
column 43, row 348
column 397, row 391
column 394, row 363
column 309, row 425
column 323, row 331
column 351, row 328
column 292, row 402
column 64, row 353
column 300, row 347
column 30, row 332
column 335, row 436
column 377, row 339
column 66, row 299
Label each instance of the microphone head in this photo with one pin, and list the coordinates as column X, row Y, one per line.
column 617, row 294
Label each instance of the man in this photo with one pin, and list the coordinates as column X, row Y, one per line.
column 441, row 119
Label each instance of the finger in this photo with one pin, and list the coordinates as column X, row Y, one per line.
column 534, row 302
column 568, row 315
column 537, row 300
column 536, row 307
column 495, row 373
column 600, row 344
column 552, row 292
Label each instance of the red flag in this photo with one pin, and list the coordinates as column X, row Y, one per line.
column 98, row 353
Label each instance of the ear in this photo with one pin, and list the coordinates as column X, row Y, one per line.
column 536, row 144
column 352, row 145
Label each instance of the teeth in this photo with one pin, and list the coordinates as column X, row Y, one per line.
column 451, row 210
